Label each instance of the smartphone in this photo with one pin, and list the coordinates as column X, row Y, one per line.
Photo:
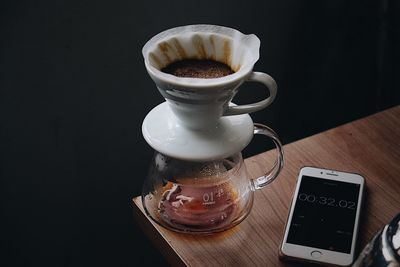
column 324, row 217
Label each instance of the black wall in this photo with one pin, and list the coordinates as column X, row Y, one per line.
column 74, row 91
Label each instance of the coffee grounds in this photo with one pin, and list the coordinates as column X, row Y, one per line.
column 194, row 68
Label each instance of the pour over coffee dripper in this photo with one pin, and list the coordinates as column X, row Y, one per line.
column 198, row 181
column 199, row 103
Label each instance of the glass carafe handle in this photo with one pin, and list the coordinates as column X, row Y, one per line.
column 267, row 178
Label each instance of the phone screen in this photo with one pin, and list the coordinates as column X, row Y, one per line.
column 324, row 214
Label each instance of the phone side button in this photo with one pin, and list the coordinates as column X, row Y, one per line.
column 316, row 254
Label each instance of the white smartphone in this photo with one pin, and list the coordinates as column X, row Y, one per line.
column 323, row 220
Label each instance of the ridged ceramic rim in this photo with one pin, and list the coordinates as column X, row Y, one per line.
column 201, row 28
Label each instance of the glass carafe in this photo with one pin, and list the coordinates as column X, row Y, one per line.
column 204, row 197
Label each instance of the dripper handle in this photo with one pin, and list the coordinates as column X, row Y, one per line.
column 265, row 79
column 267, row 178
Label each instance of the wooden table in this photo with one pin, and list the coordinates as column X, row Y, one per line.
column 370, row 146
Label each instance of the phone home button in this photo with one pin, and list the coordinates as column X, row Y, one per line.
column 316, row 254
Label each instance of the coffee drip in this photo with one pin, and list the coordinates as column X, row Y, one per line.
column 197, row 180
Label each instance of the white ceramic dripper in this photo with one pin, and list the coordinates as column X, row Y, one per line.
column 199, row 103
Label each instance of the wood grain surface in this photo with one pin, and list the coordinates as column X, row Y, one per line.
column 370, row 147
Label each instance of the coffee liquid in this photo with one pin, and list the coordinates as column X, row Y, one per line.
column 198, row 207
column 194, row 68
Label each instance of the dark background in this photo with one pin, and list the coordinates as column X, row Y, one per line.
column 74, row 91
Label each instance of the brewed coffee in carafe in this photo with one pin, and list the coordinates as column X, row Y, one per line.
column 203, row 196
